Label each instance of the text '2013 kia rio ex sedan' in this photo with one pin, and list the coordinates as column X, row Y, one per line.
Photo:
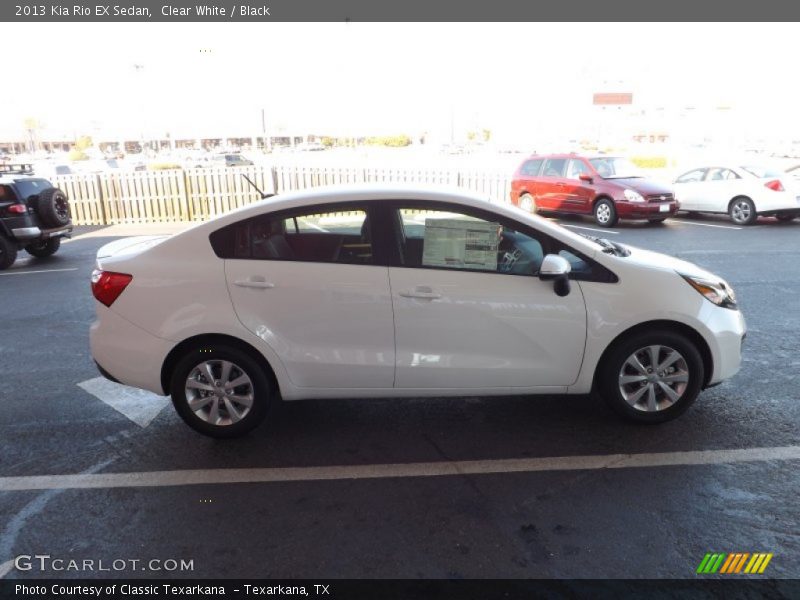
column 387, row 292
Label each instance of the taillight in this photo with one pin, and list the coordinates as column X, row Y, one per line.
column 775, row 185
column 19, row 209
column 107, row 286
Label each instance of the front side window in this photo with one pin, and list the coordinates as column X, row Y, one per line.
column 577, row 168
column 692, row 176
column 443, row 239
column 721, row 174
column 304, row 236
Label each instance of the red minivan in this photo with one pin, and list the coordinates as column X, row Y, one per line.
column 607, row 187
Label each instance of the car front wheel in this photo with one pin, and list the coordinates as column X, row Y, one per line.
column 220, row 391
column 651, row 377
column 605, row 214
column 8, row 253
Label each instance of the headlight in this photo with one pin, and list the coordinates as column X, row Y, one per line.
column 632, row 196
column 718, row 292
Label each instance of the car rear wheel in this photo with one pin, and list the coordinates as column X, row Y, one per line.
column 527, row 202
column 8, row 253
column 742, row 211
column 605, row 214
column 651, row 377
column 220, row 391
column 44, row 248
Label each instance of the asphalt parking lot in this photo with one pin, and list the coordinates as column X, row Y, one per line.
column 339, row 489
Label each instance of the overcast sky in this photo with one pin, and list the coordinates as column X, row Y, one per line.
column 396, row 77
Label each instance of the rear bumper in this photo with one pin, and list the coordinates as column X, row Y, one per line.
column 26, row 233
column 128, row 354
column 645, row 210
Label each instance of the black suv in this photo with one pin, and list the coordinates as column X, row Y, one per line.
column 34, row 214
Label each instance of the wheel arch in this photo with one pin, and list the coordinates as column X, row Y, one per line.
column 602, row 196
column 742, row 196
column 208, row 339
column 675, row 326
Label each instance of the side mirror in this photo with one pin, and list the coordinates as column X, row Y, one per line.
column 556, row 268
column 586, row 177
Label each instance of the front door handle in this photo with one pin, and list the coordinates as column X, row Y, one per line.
column 258, row 284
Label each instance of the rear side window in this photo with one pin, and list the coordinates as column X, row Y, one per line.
column 306, row 236
column 555, row 167
column 531, row 168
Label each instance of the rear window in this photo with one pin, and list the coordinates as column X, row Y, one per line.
column 31, row 187
column 531, row 168
column 762, row 172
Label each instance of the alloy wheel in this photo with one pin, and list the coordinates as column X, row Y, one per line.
column 741, row 212
column 219, row 392
column 653, row 378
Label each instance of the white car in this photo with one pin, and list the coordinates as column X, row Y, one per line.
column 743, row 192
column 389, row 292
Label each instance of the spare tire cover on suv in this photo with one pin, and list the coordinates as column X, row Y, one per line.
column 52, row 207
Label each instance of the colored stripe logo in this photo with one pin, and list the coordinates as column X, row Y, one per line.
column 738, row 562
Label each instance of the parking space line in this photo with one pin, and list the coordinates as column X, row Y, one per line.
column 590, row 228
column 394, row 470
column 42, row 271
column 706, row 224
column 6, row 567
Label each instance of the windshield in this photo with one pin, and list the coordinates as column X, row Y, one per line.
column 614, row 167
column 30, row 187
column 762, row 172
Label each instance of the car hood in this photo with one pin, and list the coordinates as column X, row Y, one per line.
column 664, row 262
column 130, row 246
column 643, row 186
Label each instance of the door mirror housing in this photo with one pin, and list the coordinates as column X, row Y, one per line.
column 586, row 177
column 556, row 268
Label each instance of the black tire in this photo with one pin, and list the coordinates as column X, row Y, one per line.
column 261, row 391
column 8, row 253
column 742, row 211
column 610, row 372
column 52, row 207
column 44, row 248
column 786, row 218
column 657, row 221
column 527, row 202
column 605, row 213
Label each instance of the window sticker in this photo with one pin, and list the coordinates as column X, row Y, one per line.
column 460, row 244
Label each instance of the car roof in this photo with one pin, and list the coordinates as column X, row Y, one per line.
column 572, row 155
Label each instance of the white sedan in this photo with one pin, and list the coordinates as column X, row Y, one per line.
column 388, row 292
column 743, row 192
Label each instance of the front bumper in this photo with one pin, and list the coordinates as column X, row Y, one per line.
column 726, row 331
column 645, row 210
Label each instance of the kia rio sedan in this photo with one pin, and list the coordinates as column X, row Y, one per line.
column 389, row 292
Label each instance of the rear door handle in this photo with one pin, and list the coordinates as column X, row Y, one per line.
column 254, row 283
column 421, row 293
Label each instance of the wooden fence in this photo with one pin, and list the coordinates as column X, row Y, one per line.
column 199, row 194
